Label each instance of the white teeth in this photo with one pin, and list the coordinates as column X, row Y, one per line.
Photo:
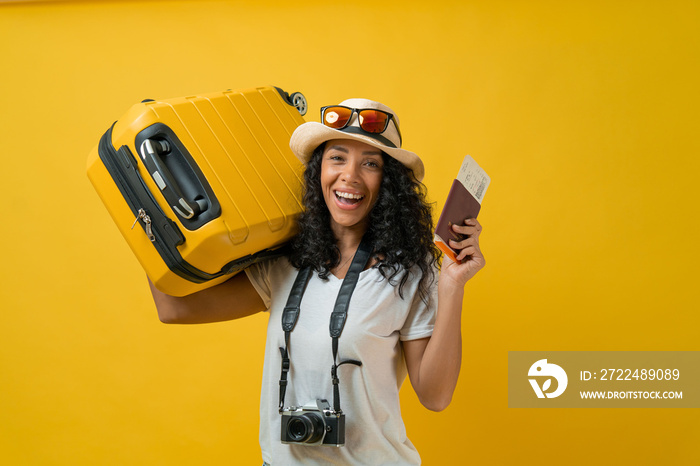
column 348, row 195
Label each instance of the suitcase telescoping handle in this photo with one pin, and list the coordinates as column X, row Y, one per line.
column 187, row 206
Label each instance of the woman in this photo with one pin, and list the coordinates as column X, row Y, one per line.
column 401, row 318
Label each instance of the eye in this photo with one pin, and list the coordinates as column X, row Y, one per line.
column 373, row 164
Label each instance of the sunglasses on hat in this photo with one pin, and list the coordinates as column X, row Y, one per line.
column 371, row 120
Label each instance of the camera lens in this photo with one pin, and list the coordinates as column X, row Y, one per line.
column 307, row 428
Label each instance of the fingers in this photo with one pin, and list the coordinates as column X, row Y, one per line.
column 470, row 230
column 468, row 243
column 467, row 252
column 471, row 227
column 469, row 257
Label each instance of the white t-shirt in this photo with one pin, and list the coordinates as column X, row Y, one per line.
column 369, row 395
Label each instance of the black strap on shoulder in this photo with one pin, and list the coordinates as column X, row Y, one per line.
column 340, row 313
column 290, row 315
column 291, row 310
column 340, row 310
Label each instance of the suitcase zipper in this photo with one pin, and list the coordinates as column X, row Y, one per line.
column 147, row 222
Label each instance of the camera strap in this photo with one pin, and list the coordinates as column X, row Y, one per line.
column 290, row 315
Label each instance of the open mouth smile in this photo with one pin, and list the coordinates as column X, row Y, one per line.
column 348, row 198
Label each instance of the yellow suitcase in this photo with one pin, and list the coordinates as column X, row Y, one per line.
column 209, row 179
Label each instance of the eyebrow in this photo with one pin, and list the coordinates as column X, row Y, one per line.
column 340, row 148
column 367, row 152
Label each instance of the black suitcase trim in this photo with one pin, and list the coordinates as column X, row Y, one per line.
column 121, row 165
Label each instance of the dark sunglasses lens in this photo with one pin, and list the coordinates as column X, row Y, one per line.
column 373, row 121
column 336, row 117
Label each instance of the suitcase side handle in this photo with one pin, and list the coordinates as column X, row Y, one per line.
column 177, row 175
column 152, row 151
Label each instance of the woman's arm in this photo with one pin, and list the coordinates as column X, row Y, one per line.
column 232, row 299
column 433, row 363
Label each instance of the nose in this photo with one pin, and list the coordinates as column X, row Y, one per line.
column 350, row 172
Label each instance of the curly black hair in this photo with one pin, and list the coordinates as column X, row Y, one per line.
column 400, row 227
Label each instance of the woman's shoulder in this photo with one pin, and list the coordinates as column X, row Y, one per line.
column 269, row 265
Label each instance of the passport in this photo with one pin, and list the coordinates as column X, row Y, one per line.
column 463, row 202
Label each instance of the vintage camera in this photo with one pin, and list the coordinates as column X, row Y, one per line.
column 313, row 424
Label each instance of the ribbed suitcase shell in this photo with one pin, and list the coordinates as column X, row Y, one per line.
column 239, row 139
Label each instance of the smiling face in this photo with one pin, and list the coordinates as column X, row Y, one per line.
column 351, row 175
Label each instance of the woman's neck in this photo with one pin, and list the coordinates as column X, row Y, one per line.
column 348, row 240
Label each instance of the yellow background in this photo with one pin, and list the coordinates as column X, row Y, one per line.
column 585, row 114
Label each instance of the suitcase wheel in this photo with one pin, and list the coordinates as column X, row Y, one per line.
column 299, row 101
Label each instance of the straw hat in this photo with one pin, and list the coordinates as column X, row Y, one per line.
column 308, row 136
